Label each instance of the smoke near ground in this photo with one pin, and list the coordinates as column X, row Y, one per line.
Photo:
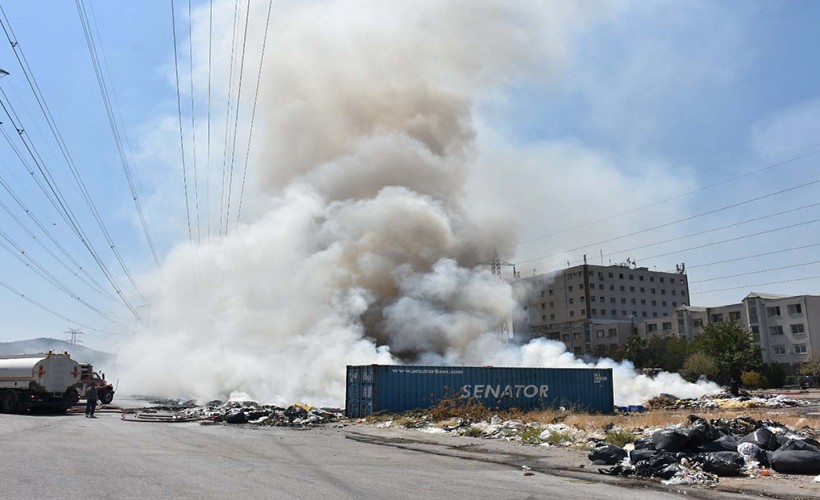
column 359, row 242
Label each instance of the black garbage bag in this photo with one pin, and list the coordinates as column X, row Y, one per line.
column 807, row 444
column 644, row 443
column 607, row 454
column 294, row 412
column 795, row 461
column 618, row 470
column 762, row 437
column 701, row 432
column 723, row 443
column 722, row 463
column 670, row 440
column 668, row 471
column 636, row 456
column 655, row 465
column 237, row 418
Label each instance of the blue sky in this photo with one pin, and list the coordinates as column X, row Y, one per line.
column 648, row 101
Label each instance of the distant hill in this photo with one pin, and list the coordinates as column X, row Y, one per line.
column 81, row 354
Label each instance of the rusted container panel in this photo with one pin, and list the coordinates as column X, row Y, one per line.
column 375, row 388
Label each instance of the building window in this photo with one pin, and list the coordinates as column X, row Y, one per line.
column 623, row 313
column 603, row 312
column 613, row 332
column 717, row 318
column 734, row 315
column 652, row 290
column 576, row 350
column 583, row 311
column 632, row 301
column 640, row 278
column 654, row 302
column 581, row 286
column 674, row 304
column 652, row 327
column 779, row 349
column 543, row 317
column 593, row 311
column 663, row 303
column 611, row 275
column 643, row 314
column 795, row 308
column 776, row 330
column 571, row 300
column 674, row 292
column 614, row 312
column 654, row 315
column 755, row 329
column 612, row 287
column 550, row 291
column 569, row 288
column 697, row 322
column 623, row 301
column 798, row 328
column 666, row 326
column 599, row 334
column 632, row 289
column 643, row 301
column 603, row 299
column 544, row 305
column 683, row 293
column 542, row 293
column 623, row 289
column 800, row 349
column 576, row 336
column 592, row 298
column 612, row 300
column 566, row 338
column 621, row 275
column 552, row 316
column 773, row 311
column 652, row 279
column 643, row 290
column 600, row 286
column 632, row 276
column 663, row 291
column 634, row 314
column 572, row 313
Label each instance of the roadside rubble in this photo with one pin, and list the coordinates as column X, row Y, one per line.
column 237, row 412
column 708, row 449
column 724, row 401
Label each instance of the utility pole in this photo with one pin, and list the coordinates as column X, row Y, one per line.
column 73, row 336
column 495, row 266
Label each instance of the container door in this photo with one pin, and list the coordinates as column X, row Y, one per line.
column 366, row 401
column 352, row 396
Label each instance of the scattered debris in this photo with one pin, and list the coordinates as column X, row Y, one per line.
column 724, row 401
column 235, row 412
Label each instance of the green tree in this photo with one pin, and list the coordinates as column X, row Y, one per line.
column 699, row 364
column 634, row 349
column 732, row 349
column 667, row 353
column 810, row 368
column 775, row 374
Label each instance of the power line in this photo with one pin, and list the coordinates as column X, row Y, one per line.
column 112, row 122
column 665, row 200
column 755, row 285
column 179, row 115
column 685, row 219
column 208, row 166
column 193, row 119
column 236, row 116
column 736, row 259
column 761, row 271
column 222, row 214
column 253, row 114
column 712, row 230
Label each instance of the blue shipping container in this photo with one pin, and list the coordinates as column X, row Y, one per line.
column 376, row 388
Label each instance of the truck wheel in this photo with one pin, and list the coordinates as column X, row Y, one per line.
column 8, row 404
column 106, row 398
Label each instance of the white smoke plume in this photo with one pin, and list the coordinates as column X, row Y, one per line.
column 358, row 244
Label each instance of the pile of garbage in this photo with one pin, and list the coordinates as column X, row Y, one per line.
column 237, row 412
column 724, row 401
column 708, row 449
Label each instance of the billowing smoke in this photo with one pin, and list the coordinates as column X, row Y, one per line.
column 358, row 243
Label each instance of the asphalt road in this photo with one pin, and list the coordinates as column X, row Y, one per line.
column 69, row 456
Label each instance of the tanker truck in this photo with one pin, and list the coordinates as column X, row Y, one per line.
column 48, row 381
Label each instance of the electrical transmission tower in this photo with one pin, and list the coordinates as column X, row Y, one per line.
column 73, row 336
column 495, row 266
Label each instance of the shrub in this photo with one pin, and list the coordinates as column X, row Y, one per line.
column 697, row 365
column 455, row 407
column 754, row 379
column 473, row 432
column 531, row 435
column 775, row 375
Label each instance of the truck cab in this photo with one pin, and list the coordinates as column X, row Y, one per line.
column 90, row 378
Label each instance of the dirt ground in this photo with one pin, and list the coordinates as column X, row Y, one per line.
column 572, row 461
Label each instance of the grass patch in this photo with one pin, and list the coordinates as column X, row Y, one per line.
column 531, row 435
column 620, row 438
column 473, row 432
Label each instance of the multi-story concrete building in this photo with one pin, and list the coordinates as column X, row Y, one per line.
column 593, row 308
column 787, row 328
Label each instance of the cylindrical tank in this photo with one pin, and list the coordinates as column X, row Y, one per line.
column 51, row 372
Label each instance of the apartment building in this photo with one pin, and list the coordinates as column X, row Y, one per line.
column 593, row 308
column 787, row 328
